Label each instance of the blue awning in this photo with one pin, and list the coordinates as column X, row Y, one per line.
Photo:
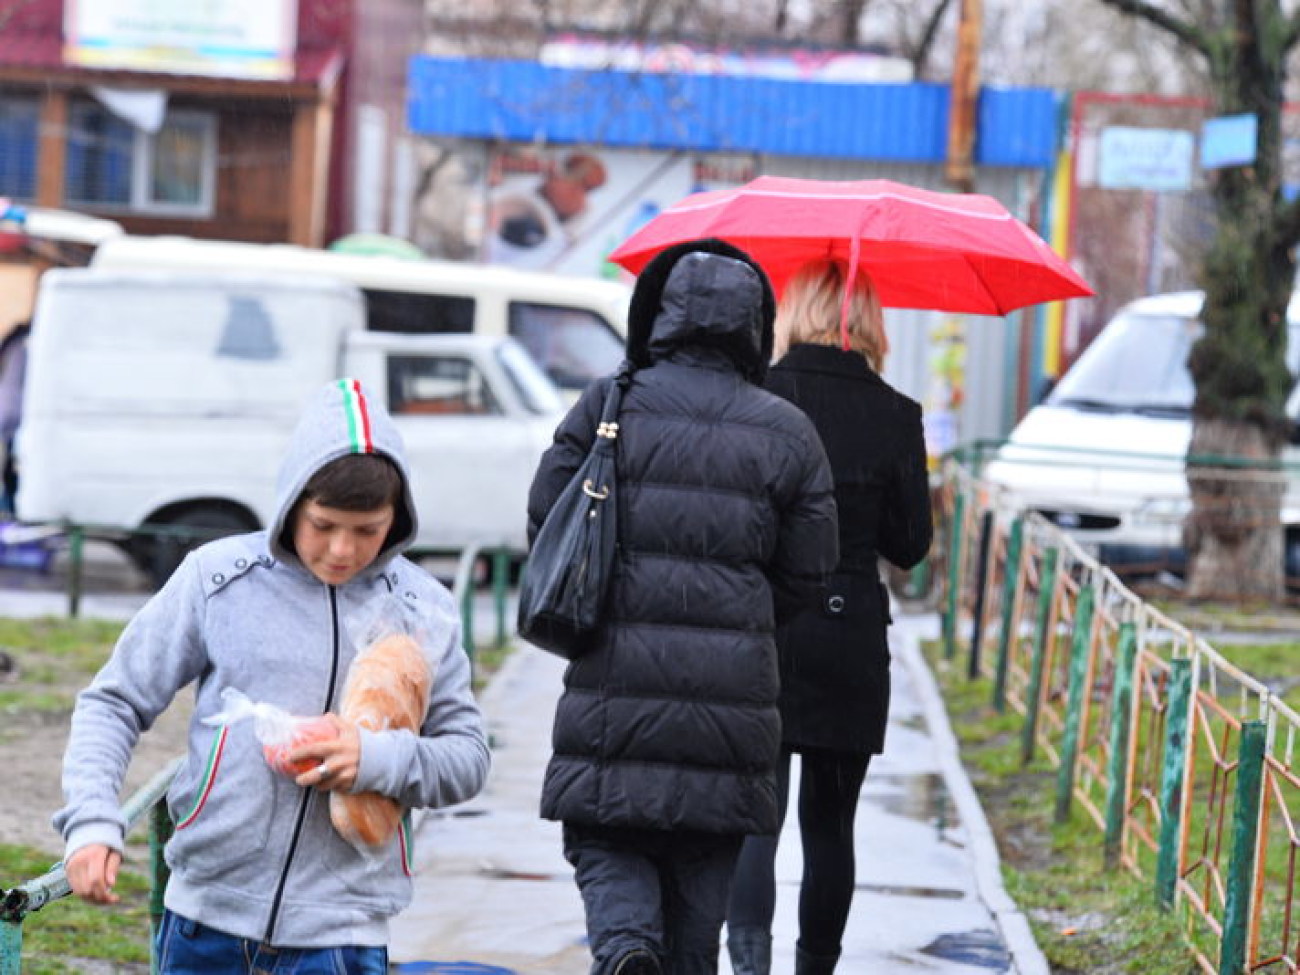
column 524, row 101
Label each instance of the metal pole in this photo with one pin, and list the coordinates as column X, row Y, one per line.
column 954, row 577
column 1171, row 780
column 76, row 537
column 1121, row 721
column 160, row 831
column 1080, row 650
column 1033, row 698
column 1011, row 585
column 1245, row 832
column 500, row 588
column 981, row 582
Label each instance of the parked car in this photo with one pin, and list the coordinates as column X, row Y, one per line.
column 573, row 326
column 1103, row 456
column 167, row 399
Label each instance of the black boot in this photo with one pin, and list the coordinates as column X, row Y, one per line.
column 750, row 947
column 806, row 963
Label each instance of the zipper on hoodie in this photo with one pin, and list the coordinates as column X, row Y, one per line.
column 307, row 794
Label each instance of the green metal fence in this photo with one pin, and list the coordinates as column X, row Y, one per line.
column 1186, row 764
column 19, row 903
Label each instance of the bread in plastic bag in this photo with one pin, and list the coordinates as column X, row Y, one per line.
column 278, row 731
column 387, row 688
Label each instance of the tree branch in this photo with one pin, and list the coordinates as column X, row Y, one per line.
column 1186, row 32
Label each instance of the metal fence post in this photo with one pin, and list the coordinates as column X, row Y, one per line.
column 1080, row 651
column 500, row 588
column 76, row 544
column 1241, row 861
column 1009, row 586
column 1173, row 773
column 1121, row 720
column 11, row 946
column 1033, row 701
column 981, row 582
column 954, row 577
column 160, row 831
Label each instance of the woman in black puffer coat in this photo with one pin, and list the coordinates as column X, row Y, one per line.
column 667, row 733
column 834, row 657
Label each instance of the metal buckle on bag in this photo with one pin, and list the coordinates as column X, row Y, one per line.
column 590, row 491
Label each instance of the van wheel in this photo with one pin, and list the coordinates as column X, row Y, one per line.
column 189, row 529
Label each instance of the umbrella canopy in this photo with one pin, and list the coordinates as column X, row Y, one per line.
column 376, row 245
column 958, row 252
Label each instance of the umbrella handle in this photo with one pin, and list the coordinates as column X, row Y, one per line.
column 849, row 280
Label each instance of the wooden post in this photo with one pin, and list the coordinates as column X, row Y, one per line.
column 960, row 168
column 954, row 577
column 52, row 154
column 313, row 123
column 981, row 584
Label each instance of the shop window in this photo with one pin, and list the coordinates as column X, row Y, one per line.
column 19, row 125
column 113, row 164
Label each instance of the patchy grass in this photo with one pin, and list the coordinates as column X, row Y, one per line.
column 65, row 937
column 51, row 660
column 1085, row 917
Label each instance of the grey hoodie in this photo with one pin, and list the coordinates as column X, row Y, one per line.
column 253, row 854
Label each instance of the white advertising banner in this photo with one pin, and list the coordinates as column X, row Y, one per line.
column 252, row 39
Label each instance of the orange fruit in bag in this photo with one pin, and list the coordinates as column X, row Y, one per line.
column 306, row 730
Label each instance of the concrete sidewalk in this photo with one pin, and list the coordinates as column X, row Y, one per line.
column 494, row 894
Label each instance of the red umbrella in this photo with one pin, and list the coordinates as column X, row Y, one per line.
column 958, row 252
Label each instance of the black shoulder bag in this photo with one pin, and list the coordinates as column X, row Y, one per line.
column 569, row 566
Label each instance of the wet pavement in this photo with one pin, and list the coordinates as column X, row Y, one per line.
column 495, row 896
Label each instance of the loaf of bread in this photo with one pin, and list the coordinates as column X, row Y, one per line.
column 387, row 687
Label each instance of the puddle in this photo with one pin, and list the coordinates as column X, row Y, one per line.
column 923, row 798
column 983, row 949
column 912, row 722
column 901, row 890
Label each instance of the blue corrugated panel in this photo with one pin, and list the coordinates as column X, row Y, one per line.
column 523, row 101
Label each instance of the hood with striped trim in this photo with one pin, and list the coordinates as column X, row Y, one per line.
column 341, row 419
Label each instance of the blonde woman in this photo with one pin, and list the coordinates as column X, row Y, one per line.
column 834, row 657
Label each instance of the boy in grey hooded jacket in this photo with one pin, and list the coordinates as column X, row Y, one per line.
column 274, row 614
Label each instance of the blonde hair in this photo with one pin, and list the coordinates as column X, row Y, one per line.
column 809, row 312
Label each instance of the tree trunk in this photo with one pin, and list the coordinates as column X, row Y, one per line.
column 1233, row 534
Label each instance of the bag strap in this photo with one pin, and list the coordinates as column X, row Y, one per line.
column 608, row 427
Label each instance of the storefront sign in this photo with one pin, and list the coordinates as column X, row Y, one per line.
column 1145, row 159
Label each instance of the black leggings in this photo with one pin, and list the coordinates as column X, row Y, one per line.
column 829, row 784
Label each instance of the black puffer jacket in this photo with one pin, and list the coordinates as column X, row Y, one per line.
column 727, row 520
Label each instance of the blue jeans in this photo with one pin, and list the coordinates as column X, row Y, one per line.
column 185, row 947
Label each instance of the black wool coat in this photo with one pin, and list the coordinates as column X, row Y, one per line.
column 835, row 657
column 726, row 519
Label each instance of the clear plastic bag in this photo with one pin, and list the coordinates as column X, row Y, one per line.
column 278, row 731
column 386, row 688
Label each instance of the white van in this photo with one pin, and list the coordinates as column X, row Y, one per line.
column 1103, row 456
column 573, row 326
column 167, row 399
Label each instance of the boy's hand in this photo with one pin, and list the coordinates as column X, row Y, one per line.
column 335, row 760
column 92, row 873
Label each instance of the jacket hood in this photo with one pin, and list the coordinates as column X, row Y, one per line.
column 341, row 419
column 703, row 293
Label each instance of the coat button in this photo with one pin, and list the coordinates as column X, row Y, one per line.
column 835, row 604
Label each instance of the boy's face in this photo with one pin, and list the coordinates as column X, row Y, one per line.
column 335, row 544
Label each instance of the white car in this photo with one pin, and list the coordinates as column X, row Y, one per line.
column 1103, row 456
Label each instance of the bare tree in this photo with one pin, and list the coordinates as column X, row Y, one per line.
column 1233, row 533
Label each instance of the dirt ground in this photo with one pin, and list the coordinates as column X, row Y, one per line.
column 31, row 757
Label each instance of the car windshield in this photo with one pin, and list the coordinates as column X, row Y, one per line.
column 534, row 387
column 1137, row 363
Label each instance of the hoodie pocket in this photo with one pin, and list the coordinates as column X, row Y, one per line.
column 224, row 808
column 384, row 870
